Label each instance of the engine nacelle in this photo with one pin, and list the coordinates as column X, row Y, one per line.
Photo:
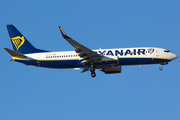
column 110, row 60
column 112, row 70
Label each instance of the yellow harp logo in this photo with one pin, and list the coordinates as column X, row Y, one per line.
column 18, row 41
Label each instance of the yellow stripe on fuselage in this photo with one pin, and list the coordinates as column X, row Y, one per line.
column 15, row 58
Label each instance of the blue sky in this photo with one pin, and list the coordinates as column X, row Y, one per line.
column 138, row 93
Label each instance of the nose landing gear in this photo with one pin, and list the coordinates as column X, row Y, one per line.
column 163, row 63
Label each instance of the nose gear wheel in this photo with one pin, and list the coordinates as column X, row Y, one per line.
column 93, row 74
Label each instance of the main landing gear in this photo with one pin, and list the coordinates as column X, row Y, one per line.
column 93, row 74
column 92, row 70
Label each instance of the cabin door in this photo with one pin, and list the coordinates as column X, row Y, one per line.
column 157, row 53
column 38, row 60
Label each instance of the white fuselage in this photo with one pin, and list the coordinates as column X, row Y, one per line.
column 119, row 56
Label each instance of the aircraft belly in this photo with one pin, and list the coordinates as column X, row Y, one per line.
column 60, row 64
column 138, row 61
column 52, row 64
column 77, row 63
column 27, row 62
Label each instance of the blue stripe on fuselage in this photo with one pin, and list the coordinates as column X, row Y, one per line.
column 77, row 63
column 137, row 61
column 53, row 64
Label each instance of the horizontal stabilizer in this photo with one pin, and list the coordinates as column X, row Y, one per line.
column 14, row 53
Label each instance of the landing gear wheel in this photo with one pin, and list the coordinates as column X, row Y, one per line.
column 160, row 68
column 93, row 74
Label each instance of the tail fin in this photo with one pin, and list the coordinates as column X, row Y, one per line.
column 20, row 43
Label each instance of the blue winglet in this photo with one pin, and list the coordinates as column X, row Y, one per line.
column 63, row 33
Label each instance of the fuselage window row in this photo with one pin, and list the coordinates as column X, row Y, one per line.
column 63, row 56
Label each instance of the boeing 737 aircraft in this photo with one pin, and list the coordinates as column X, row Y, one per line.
column 107, row 60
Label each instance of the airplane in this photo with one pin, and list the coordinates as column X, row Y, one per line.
column 108, row 61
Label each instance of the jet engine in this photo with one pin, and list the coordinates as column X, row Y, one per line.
column 112, row 70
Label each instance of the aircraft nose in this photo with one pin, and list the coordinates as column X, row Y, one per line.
column 174, row 56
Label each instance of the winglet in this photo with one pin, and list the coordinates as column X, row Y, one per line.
column 63, row 33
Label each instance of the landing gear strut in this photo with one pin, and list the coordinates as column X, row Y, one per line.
column 160, row 68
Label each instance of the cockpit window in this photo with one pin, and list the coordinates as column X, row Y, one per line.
column 166, row 51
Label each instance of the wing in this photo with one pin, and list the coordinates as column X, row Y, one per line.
column 85, row 53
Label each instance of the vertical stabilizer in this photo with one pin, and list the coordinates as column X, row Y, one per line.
column 20, row 43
